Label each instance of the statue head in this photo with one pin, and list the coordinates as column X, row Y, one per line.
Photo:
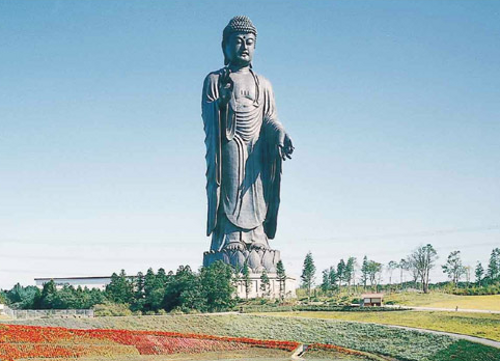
column 238, row 41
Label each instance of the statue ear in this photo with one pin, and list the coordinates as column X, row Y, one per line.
column 226, row 59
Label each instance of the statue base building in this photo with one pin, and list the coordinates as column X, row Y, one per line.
column 273, row 291
column 257, row 261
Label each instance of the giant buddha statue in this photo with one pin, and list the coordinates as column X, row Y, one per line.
column 245, row 147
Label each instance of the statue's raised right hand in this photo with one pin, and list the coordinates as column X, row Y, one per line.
column 225, row 85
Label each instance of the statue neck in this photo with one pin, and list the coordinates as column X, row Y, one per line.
column 236, row 68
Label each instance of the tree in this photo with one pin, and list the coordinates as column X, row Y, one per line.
column 374, row 272
column 20, row 297
column 48, row 296
column 341, row 272
column 413, row 269
column 3, row 297
column 191, row 296
column 454, row 267
column 329, row 280
column 65, row 298
column 479, row 272
column 120, row 289
column 467, row 270
column 217, row 287
column 391, row 266
column 264, row 283
column 403, row 266
column 247, row 283
column 365, row 271
column 281, row 276
column 422, row 260
column 333, row 278
column 162, row 278
column 494, row 265
column 152, row 297
column 349, row 270
column 308, row 272
column 182, row 291
column 96, row 297
column 138, row 303
column 326, row 285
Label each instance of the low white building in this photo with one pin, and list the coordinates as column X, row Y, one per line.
column 273, row 290
column 89, row 282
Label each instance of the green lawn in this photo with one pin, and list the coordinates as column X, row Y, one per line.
column 400, row 344
column 247, row 355
column 474, row 324
column 443, row 300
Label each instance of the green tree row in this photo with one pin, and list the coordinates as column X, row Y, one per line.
column 418, row 264
column 210, row 289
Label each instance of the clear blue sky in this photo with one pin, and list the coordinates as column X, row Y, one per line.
column 394, row 108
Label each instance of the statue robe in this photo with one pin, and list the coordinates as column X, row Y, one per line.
column 243, row 164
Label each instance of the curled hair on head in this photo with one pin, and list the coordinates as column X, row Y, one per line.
column 238, row 24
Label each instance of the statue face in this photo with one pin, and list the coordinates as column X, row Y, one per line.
column 240, row 48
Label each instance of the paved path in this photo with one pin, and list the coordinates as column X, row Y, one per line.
column 451, row 309
column 423, row 308
column 480, row 340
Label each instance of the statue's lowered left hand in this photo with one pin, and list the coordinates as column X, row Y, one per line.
column 285, row 147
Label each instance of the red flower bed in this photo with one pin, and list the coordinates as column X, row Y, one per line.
column 33, row 341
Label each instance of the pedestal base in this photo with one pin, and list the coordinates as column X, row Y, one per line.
column 257, row 260
column 273, row 291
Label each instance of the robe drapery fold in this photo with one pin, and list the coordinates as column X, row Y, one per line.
column 243, row 164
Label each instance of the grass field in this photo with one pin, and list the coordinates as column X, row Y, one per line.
column 248, row 355
column 443, row 300
column 254, row 354
column 400, row 344
column 473, row 324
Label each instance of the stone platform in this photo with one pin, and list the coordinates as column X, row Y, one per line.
column 256, row 259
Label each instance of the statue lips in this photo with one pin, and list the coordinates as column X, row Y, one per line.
column 244, row 55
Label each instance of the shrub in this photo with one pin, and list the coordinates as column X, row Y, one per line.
column 176, row 311
column 112, row 309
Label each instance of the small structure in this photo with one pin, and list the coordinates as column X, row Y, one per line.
column 99, row 282
column 372, row 299
column 273, row 290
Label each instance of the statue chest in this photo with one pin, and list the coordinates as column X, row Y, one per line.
column 245, row 92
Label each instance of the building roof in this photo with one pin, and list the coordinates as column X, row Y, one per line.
column 372, row 295
column 74, row 278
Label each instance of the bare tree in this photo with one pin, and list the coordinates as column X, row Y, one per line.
column 453, row 267
column 403, row 266
column 422, row 261
column 468, row 271
column 411, row 266
column 391, row 266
